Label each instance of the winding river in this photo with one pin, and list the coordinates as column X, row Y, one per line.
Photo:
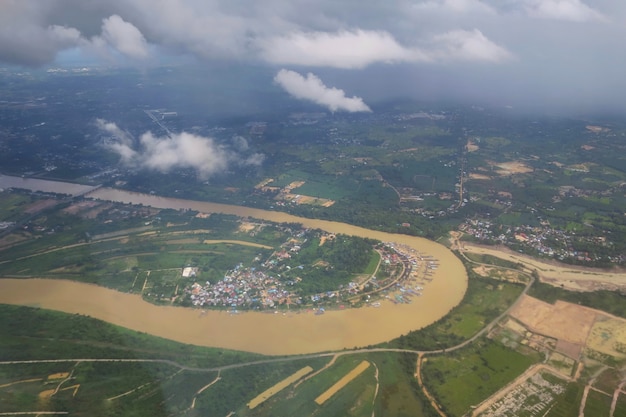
column 273, row 334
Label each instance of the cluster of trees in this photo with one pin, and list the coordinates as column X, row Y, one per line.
column 442, row 334
column 329, row 266
column 613, row 302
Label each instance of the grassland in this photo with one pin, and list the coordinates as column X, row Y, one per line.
column 12, row 205
column 275, row 389
column 487, row 362
column 345, row 380
column 597, row 404
column 466, row 377
column 398, row 394
column 620, row 406
column 458, row 379
column 373, row 264
column 491, row 260
column 159, row 388
column 609, row 301
column 147, row 249
column 484, row 300
column 301, row 399
column 564, row 177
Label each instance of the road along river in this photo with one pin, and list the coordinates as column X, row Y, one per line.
column 274, row 334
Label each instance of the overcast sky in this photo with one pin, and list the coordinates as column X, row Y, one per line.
column 567, row 54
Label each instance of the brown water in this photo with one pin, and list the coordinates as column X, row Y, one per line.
column 277, row 334
column 47, row 186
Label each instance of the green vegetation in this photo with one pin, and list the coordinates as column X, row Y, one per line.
column 620, row 407
column 400, row 393
column 301, row 401
column 373, row 264
column 149, row 257
column 492, row 260
column 608, row 380
column 597, row 404
column 330, row 266
column 466, row 377
column 12, row 205
column 484, row 300
column 158, row 389
column 546, row 187
column 610, row 301
column 568, row 403
column 28, row 333
column 238, row 386
column 153, row 389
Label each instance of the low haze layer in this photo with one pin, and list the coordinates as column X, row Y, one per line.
column 531, row 53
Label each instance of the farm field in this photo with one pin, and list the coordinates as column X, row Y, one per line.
column 387, row 385
column 315, row 249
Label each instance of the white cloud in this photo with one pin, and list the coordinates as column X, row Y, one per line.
column 111, row 128
column 63, row 36
column 455, row 6
column 123, row 140
column 358, row 49
column 118, row 39
column 343, row 49
column 124, row 37
column 469, row 45
column 313, row 89
column 285, row 33
column 572, row 10
column 347, row 35
column 183, row 150
column 180, row 150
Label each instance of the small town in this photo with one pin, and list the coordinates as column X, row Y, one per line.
column 544, row 240
column 263, row 287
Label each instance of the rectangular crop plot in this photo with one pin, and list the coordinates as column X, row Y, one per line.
column 358, row 370
column 265, row 395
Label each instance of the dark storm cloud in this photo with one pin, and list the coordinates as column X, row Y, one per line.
column 275, row 31
column 548, row 51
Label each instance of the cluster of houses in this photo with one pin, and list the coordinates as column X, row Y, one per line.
column 265, row 286
column 542, row 239
column 241, row 287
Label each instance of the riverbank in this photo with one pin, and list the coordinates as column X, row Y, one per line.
column 573, row 278
column 272, row 334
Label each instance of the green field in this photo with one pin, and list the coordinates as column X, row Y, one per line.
column 484, row 300
column 544, row 185
column 597, row 404
column 163, row 389
column 609, row 301
column 492, row 260
column 620, row 407
column 149, row 257
column 468, row 376
column 12, row 205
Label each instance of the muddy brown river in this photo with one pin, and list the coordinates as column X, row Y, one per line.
column 273, row 334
